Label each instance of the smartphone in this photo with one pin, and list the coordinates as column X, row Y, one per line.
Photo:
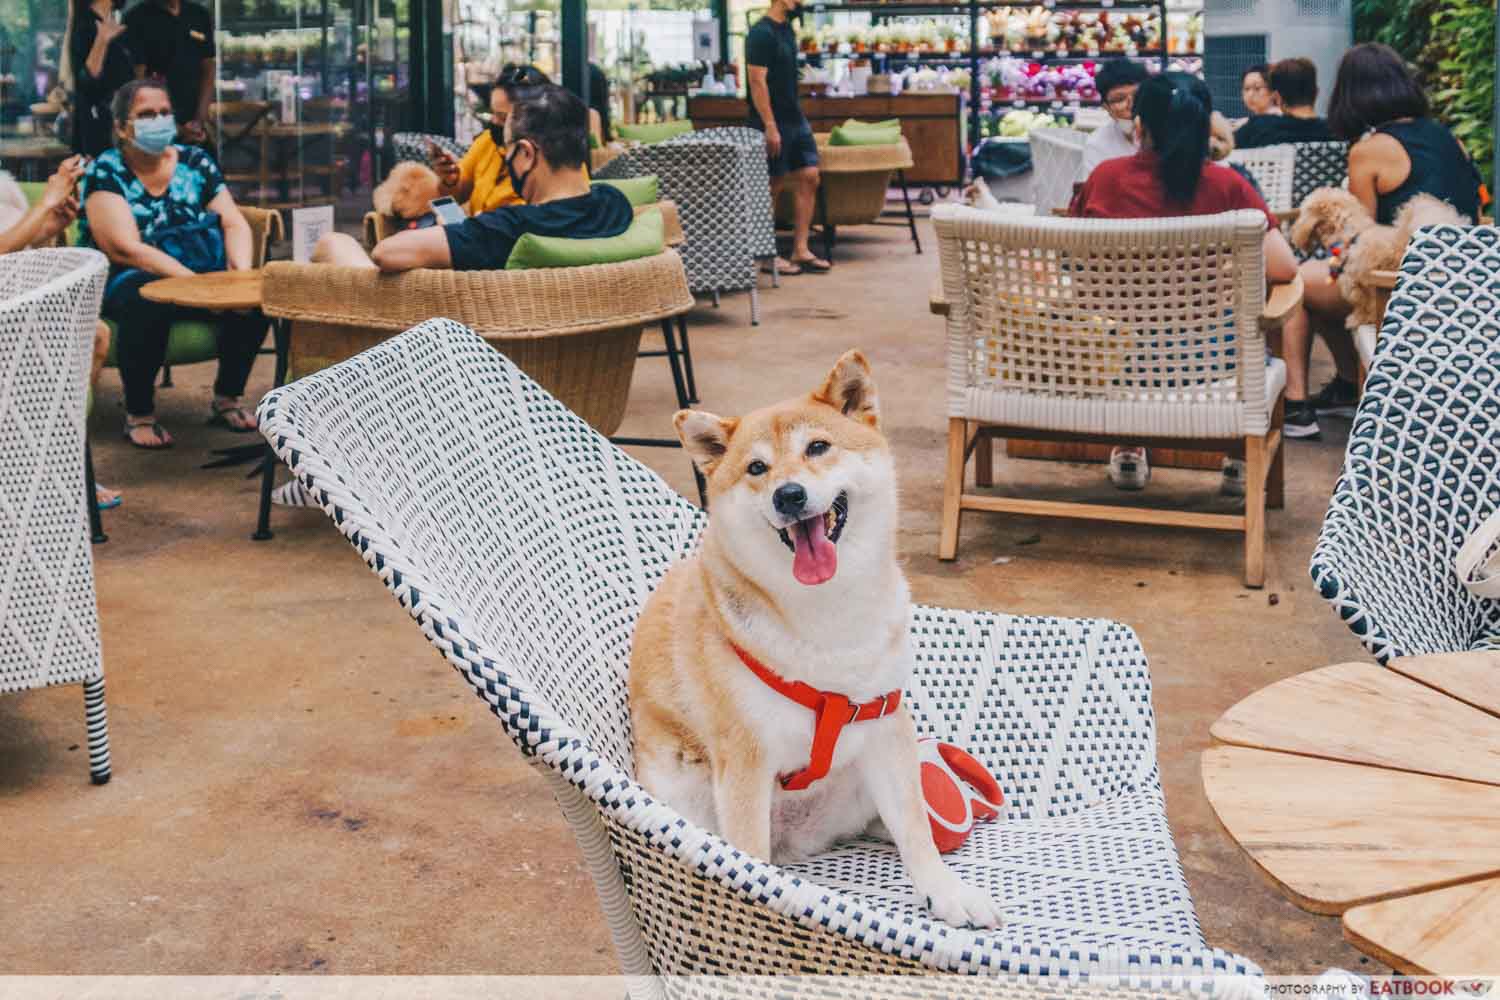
column 448, row 211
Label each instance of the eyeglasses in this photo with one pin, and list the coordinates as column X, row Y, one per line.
column 1120, row 101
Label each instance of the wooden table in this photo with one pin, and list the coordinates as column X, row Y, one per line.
column 35, row 155
column 1281, row 302
column 231, row 291
column 1374, row 793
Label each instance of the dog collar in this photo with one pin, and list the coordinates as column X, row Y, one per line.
column 831, row 713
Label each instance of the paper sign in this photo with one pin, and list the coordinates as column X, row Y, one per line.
column 308, row 226
column 706, row 40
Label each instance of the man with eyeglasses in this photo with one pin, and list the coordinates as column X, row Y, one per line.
column 1117, row 81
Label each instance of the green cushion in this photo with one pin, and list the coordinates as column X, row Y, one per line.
column 659, row 132
column 593, row 141
column 33, row 191
column 188, row 342
column 637, row 190
column 644, row 238
column 856, row 133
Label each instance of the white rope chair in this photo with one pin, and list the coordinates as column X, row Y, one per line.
column 1420, row 470
column 1138, row 331
column 1056, row 156
column 1273, row 168
column 524, row 545
column 49, row 304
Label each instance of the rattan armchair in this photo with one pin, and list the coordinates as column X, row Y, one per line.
column 852, row 185
column 1419, row 474
column 1056, row 157
column 377, row 227
column 535, row 610
column 49, row 304
column 1105, row 331
column 1273, row 168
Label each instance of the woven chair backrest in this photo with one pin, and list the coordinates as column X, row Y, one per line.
column 752, row 147
column 1056, row 156
column 1420, row 473
column 1273, row 168
column 1145, row 312
column 413, row 145
column 49, row 306
column 708, row 181
column 502, row 513
column 1319, row 164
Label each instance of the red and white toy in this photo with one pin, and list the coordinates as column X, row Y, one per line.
column 960, row 792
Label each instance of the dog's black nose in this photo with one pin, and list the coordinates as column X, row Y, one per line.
column 789, row 499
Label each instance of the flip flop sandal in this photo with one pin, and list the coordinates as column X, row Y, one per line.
column 156, row 430
column 812, row 265
column 220, row 418
column 109, row 504
column 776, row 268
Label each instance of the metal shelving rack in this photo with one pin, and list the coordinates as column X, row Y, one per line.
column 974, row 54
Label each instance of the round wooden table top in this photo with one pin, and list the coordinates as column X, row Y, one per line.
column 1374, row 793
column 215, row 291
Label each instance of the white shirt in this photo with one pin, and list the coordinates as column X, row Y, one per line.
column 1106, row 142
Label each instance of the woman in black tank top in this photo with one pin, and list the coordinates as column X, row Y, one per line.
column 1397, row 152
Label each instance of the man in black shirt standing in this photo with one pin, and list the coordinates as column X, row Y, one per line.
column 1295, row 81
column 173, row 40
column 771, row 52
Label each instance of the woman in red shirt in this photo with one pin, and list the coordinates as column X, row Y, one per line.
column 1171, row 176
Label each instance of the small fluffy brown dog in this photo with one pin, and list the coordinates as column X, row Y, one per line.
column 1335, row 220
column 408, row 191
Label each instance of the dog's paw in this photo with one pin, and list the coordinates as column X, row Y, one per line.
column 962, row 905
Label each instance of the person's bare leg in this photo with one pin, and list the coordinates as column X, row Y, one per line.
column 1326, row 312
column 806, row 194
column 341, row 250
column 1345, row 355
column 102, row 494
column 778, row 184
column 1296, row 351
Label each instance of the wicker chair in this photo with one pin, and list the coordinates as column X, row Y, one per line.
column 413, row 146
column 708, row 181
column 1318, row 164
column 1274, row 168
column 752, row 146
column 1085, row 330
column 49, row 303
column 1060, row 709
column 853, row 182
column 1056, row 156
column 1420, row 471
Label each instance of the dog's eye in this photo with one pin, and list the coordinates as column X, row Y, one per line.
column 756, row 468
column 817, row 448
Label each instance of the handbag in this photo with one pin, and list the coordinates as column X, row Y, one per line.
column 197, row 246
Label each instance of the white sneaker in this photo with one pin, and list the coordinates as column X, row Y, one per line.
column 1128, row 468
column 1234, row 478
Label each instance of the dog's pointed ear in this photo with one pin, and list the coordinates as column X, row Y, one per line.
column 850, row 389
column 705, row 437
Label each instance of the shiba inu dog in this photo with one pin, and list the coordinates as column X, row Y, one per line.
column 767, row 669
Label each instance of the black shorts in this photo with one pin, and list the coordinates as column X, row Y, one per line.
column 798, row 148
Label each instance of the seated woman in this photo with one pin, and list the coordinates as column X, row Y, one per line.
column 547, row 133
column 479, row 181
column 145, row 200
column 1172, row 176
column 1398, row 152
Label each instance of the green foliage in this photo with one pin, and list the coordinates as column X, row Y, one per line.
column 1451, row 43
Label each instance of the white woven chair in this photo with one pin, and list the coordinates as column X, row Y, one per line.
column 1273, row 168
column 49, row 303
column 1056, row 155
column 1420, row 473
column 524, row 545
column 1139, row 331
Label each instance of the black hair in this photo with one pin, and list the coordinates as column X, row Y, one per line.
column 1295, row 81
column 1261, row 70
column 555, row 121
column 1175, row 111
column 1119, row 73
column 119, row 105
column 1373, row 87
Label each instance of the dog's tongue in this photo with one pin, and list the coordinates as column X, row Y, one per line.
column 816, row 558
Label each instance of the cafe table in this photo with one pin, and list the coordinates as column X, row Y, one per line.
column 232, row 291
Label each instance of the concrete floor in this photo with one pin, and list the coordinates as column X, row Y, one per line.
column 302, row 785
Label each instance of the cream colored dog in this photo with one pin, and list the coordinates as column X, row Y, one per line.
column 796, row 581
column 407, row 192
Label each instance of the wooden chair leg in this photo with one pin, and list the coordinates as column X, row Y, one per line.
column 953, row 486
column 984, row 458
column 1276, row 477
column 1256, row 469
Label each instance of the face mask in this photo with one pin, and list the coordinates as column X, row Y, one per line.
column 154, row 135
column 517, row 181
column 1126, row 127
column 497, row 133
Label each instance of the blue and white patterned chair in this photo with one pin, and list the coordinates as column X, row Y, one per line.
column 1318, row 164
column 1422, row 470
column 49, row 619
column 524, row 546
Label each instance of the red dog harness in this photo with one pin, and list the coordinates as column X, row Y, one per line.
column 831, row 713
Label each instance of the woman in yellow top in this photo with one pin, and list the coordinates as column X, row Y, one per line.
column 480, row 181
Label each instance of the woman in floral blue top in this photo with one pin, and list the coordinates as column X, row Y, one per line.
column 137, row 197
